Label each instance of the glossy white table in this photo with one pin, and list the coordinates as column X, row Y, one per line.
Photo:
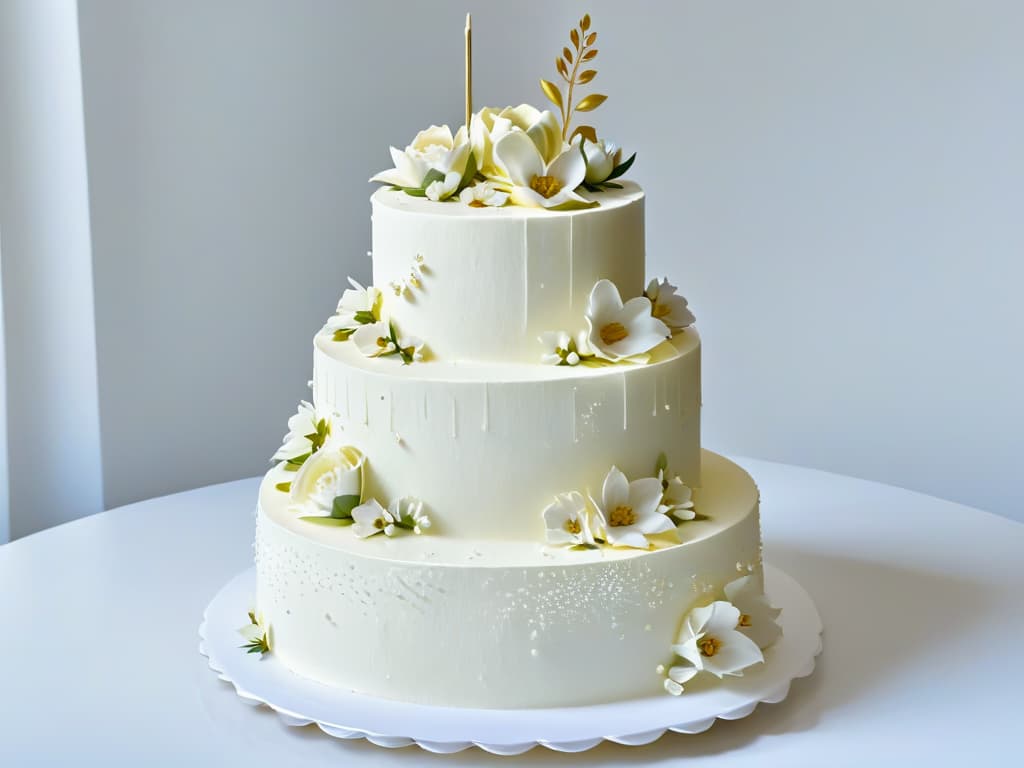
column 922, row 599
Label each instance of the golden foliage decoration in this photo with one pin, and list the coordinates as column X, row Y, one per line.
column 568, row 67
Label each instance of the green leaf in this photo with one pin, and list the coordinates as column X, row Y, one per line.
column 342, row 334
column 365, row 316
column 294, row 463
column 662, row 464
column 284, row 487
column 432, row 175
column 343, row 505
column 621, row 168
column 413, row 192
column 333, row 522
column 469, row 173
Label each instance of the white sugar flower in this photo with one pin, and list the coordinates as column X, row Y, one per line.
column 628, row 512
column 677, row 676
column 483, row 194
column 434, row 149
column 331, row 481
column 444, row 188
column 618, row 331
column 602, row 157
column 407, row 512
column 562, row 349
column 256, row 634
column 757, row 616
column 568, row 521
column 489, row 125
column 375, row 339
column 358, row 306
column 710, row 641
column 371, row 518
column 410, row 348
column 308, row 430
column 536, row 182
column 676, row 497
column 668, row 306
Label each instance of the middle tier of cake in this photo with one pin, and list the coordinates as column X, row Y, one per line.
column 486, row 447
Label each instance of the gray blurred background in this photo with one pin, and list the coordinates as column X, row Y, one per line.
column 836, row 187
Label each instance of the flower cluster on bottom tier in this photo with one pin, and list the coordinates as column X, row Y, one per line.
column 457, row 622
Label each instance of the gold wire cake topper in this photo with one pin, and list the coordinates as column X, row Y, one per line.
column 568, row 66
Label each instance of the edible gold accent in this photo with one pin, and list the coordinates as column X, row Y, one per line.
column 568, row 67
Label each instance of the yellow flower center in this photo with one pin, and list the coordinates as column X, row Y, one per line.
column 709, row 646
column 613, row 332
column 477, row 204
column 744, row 620
column 621, row 515
column 572, row 526
column 545, row 186
column 383, row 341
column 378, row 523
column 660, row 310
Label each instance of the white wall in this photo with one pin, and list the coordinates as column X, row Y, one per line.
column 837, row 186
column 52, row 424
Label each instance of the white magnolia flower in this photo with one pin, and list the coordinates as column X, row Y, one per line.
column 710, row 641
column 358, row 306
column 628, row 511
column 668, row 306
column 308, row 430
column 374, row 339
column 371, row 518
column 489, row 125
column 676, row 497
column 536, row 182
column 434, row 149
column 444, row 188
column 677, row 676
column 568, row 521
column 407, row 512
column 757, row 616
column 562, row 349
column 618, row 331
column 602, row 157
column 484, row 194
column 328, row 475
column 410, row 348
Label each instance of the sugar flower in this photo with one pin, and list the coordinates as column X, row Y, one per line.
column 489, row 125
column 602, row 157
column 678, row 676
column 371, row 518
column 484, row 194
column 330, row 481
column 567, row 521
column 308, row 430
column 536, row 182
column 758, row 619
column 358, row 306
column 256, row 634
column 710, row 642
column 410, row 348
column 408, row 513
column 676, row 498
column 628, row 511
column 668, row 306
column 442, row 189
column 434, row 152
column 562, row 349
column 618, row 331
column 374, row 339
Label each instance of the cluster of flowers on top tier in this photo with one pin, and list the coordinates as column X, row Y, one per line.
column 724, row 637
column 518, row 155
column 626, row 514
column 327, row 487
column 359, row 317
column 618, row 331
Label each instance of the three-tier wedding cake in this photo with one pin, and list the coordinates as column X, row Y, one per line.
column 497, row 496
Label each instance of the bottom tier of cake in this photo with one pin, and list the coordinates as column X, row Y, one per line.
column 453, row 622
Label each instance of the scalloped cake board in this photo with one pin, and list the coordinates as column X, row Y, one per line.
column 348, row 715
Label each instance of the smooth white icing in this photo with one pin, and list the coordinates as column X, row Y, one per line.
column 496, row 278
column 449, row 621
column 487, row 446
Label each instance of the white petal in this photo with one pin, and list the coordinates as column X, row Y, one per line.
column 736, row 653
column 569, row 168
column 615, row 492
column 518, row 156
column 392, row 176
column 645, row 495
column 682, row 674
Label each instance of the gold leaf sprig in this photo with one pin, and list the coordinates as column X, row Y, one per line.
column 568, row 66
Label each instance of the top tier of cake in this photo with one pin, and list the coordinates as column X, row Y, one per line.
column 494, row 279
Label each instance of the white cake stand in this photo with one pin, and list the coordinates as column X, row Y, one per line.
column 348, row 715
